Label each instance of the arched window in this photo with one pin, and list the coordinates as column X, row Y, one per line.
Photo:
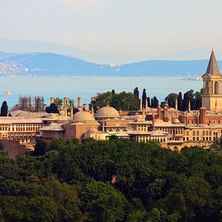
column 216, row 88
column 206, row 87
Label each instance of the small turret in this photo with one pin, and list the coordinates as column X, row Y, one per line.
column 189, row 106
column 213, row 68
column 141, row 105
column 176, row 104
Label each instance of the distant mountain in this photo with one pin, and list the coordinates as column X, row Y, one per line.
column 49, row 64
column 165, row 67
column 55, row 64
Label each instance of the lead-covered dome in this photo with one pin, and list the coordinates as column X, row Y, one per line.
column 83, row 116
column 107, row 112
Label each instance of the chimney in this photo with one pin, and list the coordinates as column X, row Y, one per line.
column 203, row 112
column 165, row 114
column 141, row 105
column 146, row 105
column 176, row 105
column 159, row 112
column 189, row 106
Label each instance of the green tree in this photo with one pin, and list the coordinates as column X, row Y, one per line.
column 53, row 108
column 121, row 101
column 136, row 93
column 171, row 100
column 154, row 102
column 4, row 109
column 103, row 202
column 144, row 98
column 180, row 101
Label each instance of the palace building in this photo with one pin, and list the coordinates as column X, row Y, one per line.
column 20, row 130
column 170, row 127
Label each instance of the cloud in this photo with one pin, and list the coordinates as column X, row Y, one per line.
column 80, row 3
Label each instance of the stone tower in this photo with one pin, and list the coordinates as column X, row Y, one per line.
column 212, row 86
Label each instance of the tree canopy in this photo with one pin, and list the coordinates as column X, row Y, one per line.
column 53, row 108
column 121, row 101
column 190, row 99
column 114, row 181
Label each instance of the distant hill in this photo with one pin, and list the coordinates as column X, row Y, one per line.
column 51, row 64
column 55, row 64
column 165, row 67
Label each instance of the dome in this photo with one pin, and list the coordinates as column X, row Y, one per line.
column 176, row 121
column 83, row 116
column 107, row 112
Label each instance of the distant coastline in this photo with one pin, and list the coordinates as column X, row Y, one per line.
column 88, row 86
column 54, row 64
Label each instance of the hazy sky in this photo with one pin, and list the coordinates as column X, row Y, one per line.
column 114, row 31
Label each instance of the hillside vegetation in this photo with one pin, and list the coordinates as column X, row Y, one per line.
column 113, row 181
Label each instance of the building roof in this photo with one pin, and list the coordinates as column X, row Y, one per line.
column 141, row 123
column 19, row 120
column 204, row 126
column 213, row 68
column 107, row 112
column 27, row 114
column 148, row 133
column 52, row 127
column 161, row 123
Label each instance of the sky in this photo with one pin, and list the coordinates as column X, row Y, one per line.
column 113, row 31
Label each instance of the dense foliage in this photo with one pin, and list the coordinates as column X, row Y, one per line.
column 125, row 101
column 190, row 100
column 131, row 101
column 113, row 181
column 52, row 108
column 121, row 101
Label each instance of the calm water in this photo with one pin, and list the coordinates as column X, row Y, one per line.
column 86, row 87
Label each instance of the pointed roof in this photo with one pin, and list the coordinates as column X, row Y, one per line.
column 213, row 68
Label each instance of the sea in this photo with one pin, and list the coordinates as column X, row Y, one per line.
column 12, row 87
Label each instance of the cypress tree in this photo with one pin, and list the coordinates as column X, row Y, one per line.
column 144, row 98
column 180, row 101
column 4, row 109
column 136, row 93
column 154, row 102
column 187, row 98
column 148, row 102
column 171, row 100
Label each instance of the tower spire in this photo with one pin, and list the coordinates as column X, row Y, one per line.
column 213, row 68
